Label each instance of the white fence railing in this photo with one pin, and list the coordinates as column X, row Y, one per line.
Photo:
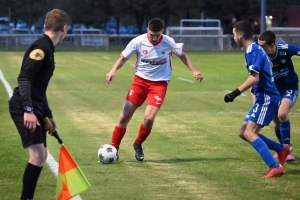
column 75, row 42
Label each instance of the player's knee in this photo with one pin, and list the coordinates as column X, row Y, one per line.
column 241, row 134
column 283, row 117
column 124, row 119
column 148, row 123
column 38, row 159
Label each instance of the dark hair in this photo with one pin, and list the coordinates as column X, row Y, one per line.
column 156, row 25
column 267, row 36
column 245, row 28
column 56, row 19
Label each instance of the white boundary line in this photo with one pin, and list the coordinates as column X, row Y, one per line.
column 184, row 79
column 50, row 159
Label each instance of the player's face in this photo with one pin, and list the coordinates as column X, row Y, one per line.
column 154, row 36
column 269, row 49
column 237, row 38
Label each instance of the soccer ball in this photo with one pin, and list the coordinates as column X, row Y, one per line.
column 107, row 154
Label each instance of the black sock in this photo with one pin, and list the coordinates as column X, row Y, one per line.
column 30, row 179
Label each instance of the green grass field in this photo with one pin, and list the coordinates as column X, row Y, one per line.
column 194, row 151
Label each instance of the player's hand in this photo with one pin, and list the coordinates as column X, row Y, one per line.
column 30, row 121
column 110, row 76
column 47, row 126
column 232, row 95
column 198, row 76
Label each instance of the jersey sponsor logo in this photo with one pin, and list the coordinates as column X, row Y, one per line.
column 37, row 54
column 158, row 99
column 163, row 52
column 145, row 52
column 282, row 53
column 283, row 46
column 155, row 62
column 281, row 73
column 283, row 61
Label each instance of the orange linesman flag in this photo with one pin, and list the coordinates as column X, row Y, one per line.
column 70, row 181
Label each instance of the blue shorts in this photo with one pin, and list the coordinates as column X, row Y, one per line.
column 291, row 94
column 263, row 110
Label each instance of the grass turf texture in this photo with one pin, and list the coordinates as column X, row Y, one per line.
column 193, row 152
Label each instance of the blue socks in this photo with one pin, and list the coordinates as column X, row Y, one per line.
column 278, row 135
column 264, row 152
column 285, row 130
column 272, row 145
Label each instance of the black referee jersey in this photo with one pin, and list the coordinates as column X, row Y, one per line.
column 36, row 70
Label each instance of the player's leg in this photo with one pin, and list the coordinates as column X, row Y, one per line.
column 261, row 115
column 283, row 116
column 35, row 143
column 244, row 125
column 251, row 134
column 156, row 95
column 287, row 103
column 135, row 98
column 37, row 156
column 145, row 130
column 276, row 124
column 121, row 125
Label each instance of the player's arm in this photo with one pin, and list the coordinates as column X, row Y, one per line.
column 187, row 61
column 28, row 70
column 293, row 50
column 112, row 73
column 30, row 66
column 130, row 49
column 250, row 82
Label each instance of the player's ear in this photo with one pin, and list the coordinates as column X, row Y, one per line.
column 64, row 29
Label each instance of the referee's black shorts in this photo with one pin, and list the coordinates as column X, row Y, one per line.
column 17, row 114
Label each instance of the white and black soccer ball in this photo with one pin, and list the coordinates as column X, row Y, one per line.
column 107, row 154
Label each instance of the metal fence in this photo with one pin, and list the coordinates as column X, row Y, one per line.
column 105, row 42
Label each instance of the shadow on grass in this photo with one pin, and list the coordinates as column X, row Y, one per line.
column 292, row 171
column 180, row 160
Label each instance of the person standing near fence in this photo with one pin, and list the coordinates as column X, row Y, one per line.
column 286, row 81
column 266, row 103
column 152, row 74
column 28, row 105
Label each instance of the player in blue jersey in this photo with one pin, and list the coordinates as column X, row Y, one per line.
column 266, row 103
column 286, row 81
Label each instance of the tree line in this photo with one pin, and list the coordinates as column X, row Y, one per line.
column 139, row 12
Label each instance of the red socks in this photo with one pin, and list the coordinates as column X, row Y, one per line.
column 117, row 136
column 143, row 134
column 119, row 133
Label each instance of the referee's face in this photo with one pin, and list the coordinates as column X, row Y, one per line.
column 154, row 36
